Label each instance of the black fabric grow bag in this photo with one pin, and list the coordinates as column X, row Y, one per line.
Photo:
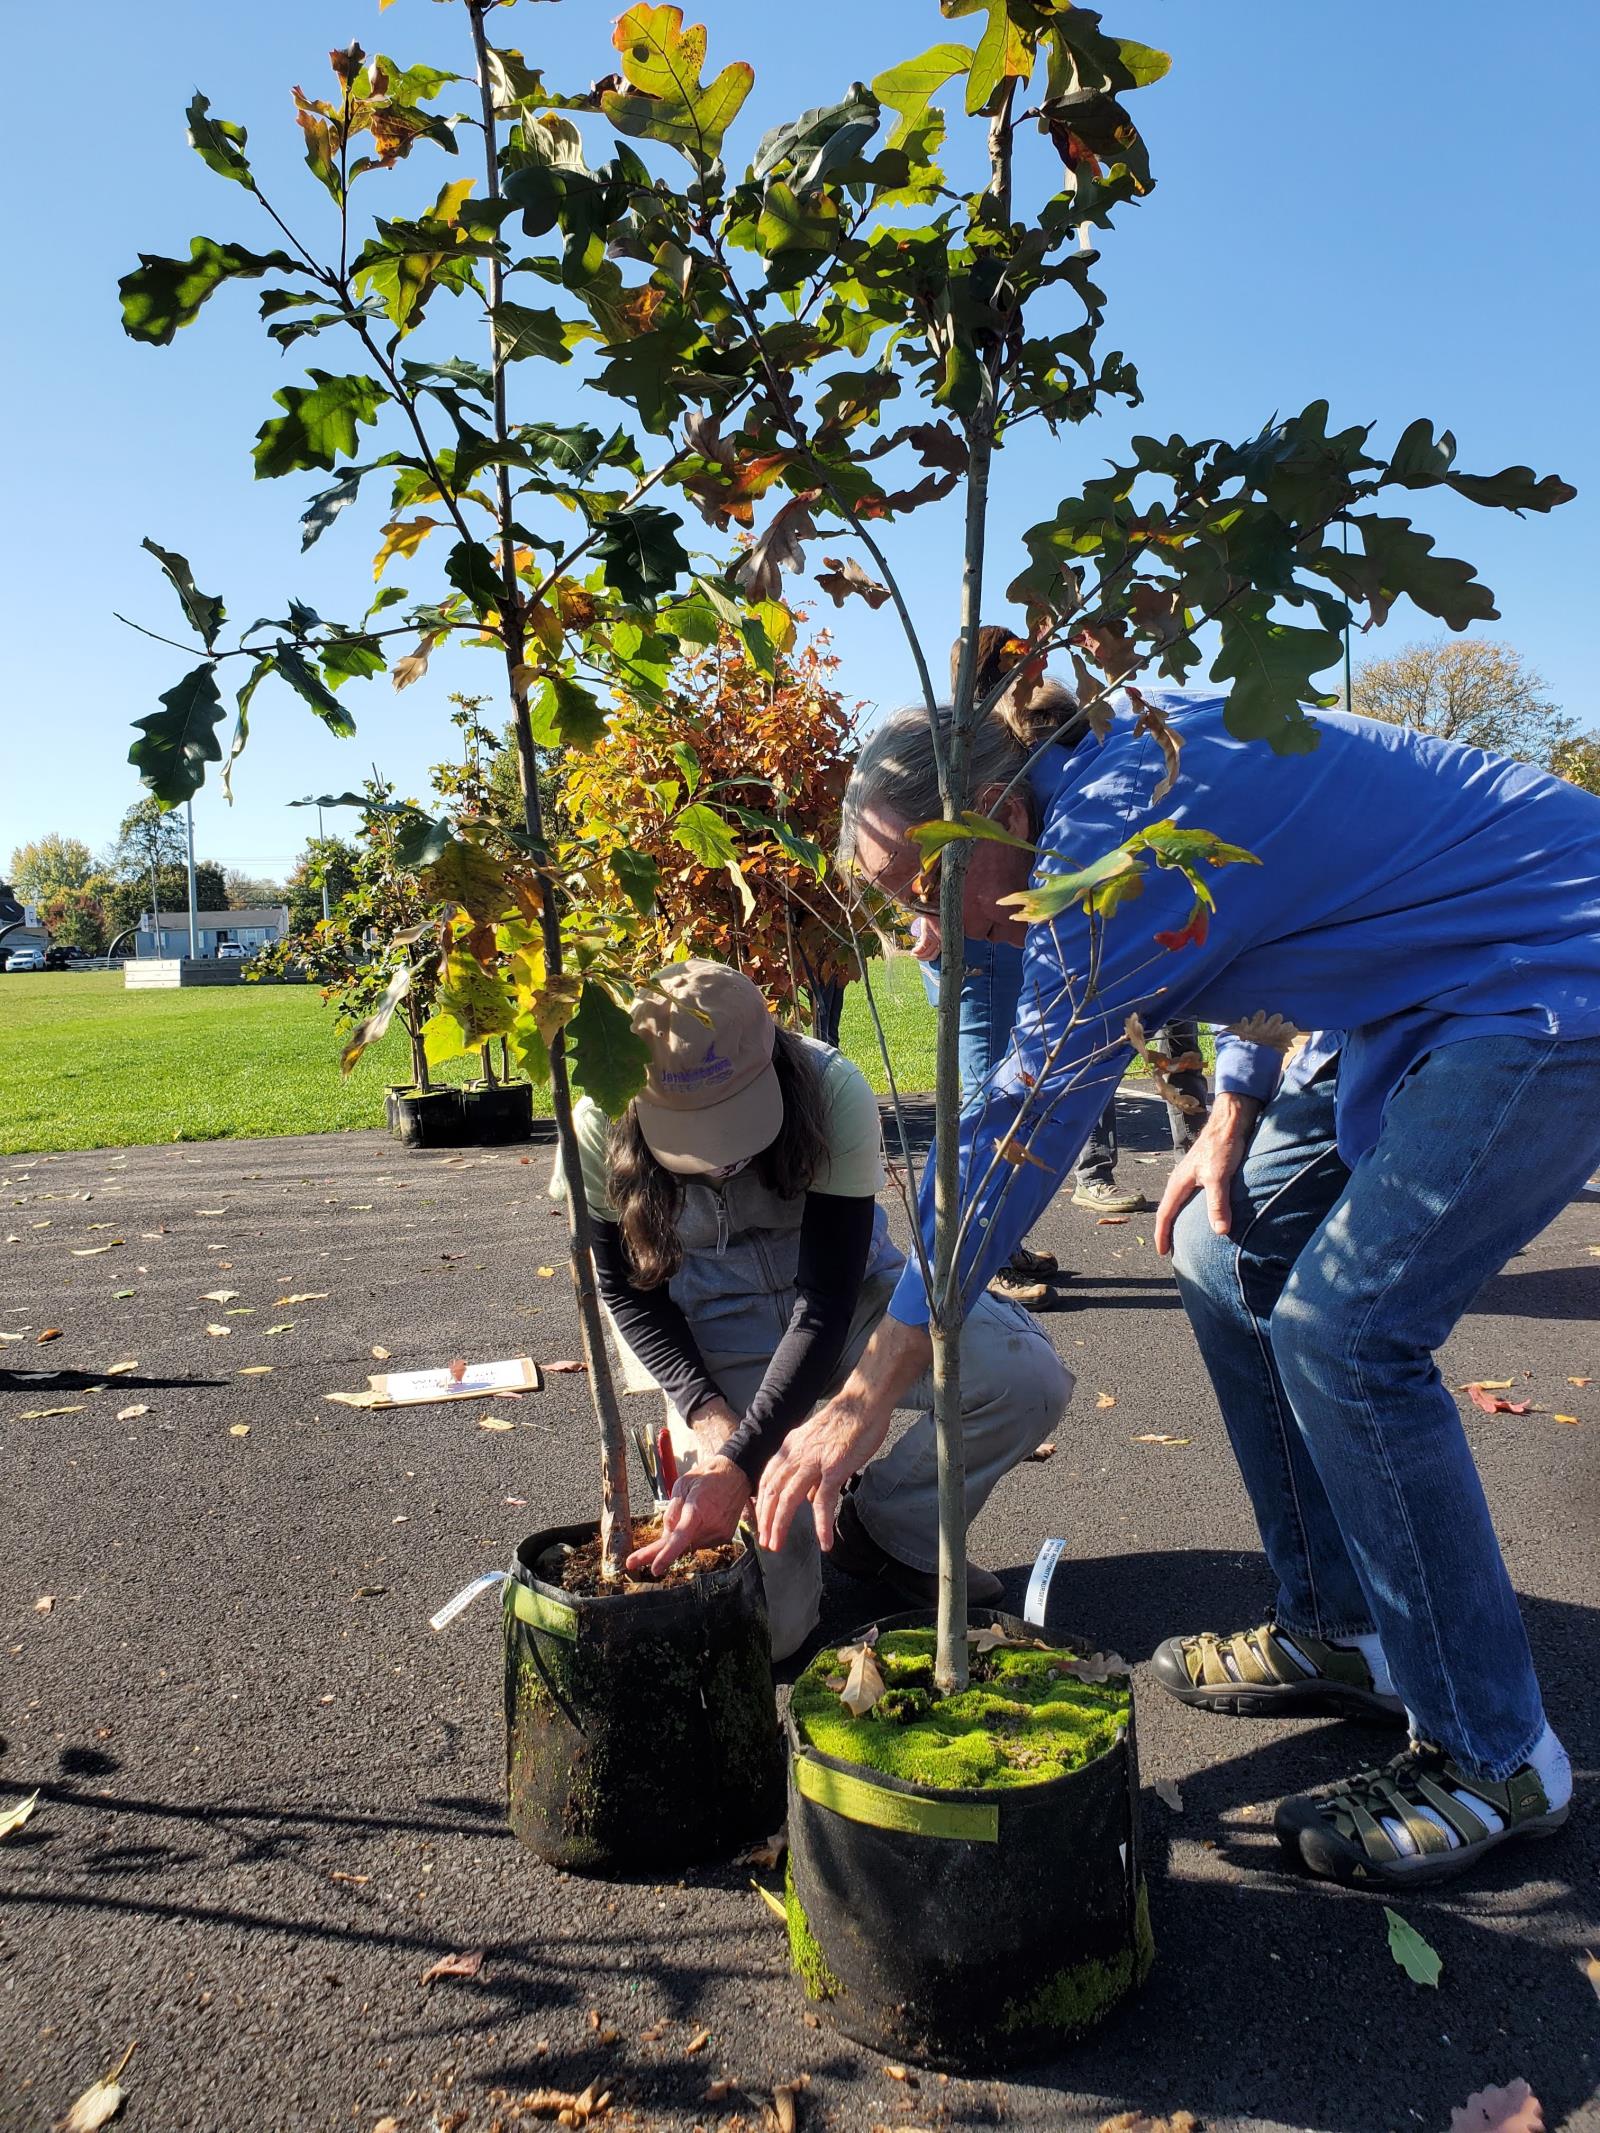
column 426, row 1118
column 641, row 1727
column 966, row 1929
column 492, row 1113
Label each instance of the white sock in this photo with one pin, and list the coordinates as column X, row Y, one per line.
column 1554, row 1767
column 1372, row 1651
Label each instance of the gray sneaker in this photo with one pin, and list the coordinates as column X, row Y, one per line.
column 1107, row 1199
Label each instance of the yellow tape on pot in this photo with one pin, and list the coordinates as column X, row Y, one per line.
column 550, row 1615
column 859, row 1800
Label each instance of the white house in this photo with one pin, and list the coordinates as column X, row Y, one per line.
column 249, row 929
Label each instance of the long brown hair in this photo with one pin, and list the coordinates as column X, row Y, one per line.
column 648, row 1197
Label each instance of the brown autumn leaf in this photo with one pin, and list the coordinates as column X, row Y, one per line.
column 844, row 576
column 1487, row 1385
column 1011, row 1150
column 721, row 2089
column 454, row 1966
column 45, row 1604
column 50, row 1333
column 864, row 1683
column 555, row 1370
column 1105, row 1399
column 786, row 2103
column 99, row 2103
column 380, row 1355
column 1513, row 2109
column 760, row 574
column 1590, row 1966
column 1152, row 1436
column 43, row 1414
column 305, row 1296
column 1094, row 1667
column 355, row 1880
column 1136, row 2122
column 1042, row 1452
column 992, row 1640
column 1580, row 1381
column 1112, row 1222
column 572, row 2109
column 766, row 1855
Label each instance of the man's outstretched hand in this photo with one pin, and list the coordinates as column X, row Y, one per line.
column 705, row 1507
column 1209, row 1167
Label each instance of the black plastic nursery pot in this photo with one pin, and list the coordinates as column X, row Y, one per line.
column 967, row 1929
column 426, row 1118
column 641, row 1727
column 493, row 1113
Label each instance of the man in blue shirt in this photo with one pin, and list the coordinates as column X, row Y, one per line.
column 1440, row 908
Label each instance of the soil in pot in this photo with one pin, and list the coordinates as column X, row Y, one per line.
column 964, row 1878
column 496, row 1112
column 426, row 1118
column 641, row 1724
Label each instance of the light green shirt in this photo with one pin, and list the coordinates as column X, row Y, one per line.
column 852, row 1168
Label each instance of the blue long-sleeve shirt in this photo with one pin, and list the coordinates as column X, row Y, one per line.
column 1410, row 893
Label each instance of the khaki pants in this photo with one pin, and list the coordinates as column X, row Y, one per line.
column 1014, row 1389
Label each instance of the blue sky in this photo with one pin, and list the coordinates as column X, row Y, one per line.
column 1392, row 206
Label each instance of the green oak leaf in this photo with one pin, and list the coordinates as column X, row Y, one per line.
column 205, row 611
column 265, row 665
column 304, row 679
column 1516, row 489
column 472, row 1005
column 911, row 86
column 521, row 331
column 640, row 553
column 181, row 738
column 219, row 143
column 1099, row 888
column 1402, row 563
column 703, row 832
column 1421, row 1963
column 930, row 838
column 470, row 569
column 351, row 659
column 567, row 716
column 468, row 875
column 791, row 223
column 1005, row 50
column 163, row 294
column 637, row 876
column 609, row 1059
column 318, row 423
column 1271, row 665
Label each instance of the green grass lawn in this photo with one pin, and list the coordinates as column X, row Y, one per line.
column 86, row 1064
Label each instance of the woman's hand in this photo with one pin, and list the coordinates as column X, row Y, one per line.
column 1209, row 1167
column 705, row 1507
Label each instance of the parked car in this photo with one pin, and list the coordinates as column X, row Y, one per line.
column 62, row 958
column 231, row 951
column 25, row 959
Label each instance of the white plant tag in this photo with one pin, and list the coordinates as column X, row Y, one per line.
column 459, row 1602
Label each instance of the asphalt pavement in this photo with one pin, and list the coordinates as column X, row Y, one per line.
column 270, row 1797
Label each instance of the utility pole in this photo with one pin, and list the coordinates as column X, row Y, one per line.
column 194, row 944
column 155, row 900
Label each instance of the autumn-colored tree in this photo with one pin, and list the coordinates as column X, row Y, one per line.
column 1470, row 689
column 1578, row 761
column 675, row 781
column 50, row 863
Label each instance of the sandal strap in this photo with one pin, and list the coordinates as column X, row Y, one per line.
column 1259, row 1659
column 1422, row 1777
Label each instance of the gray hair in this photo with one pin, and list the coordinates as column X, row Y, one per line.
column 896, row 773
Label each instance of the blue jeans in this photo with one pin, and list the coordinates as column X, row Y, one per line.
column 1318, row 1320
column 991, row 987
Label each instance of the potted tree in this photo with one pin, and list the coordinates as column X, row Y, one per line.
column 757, row 326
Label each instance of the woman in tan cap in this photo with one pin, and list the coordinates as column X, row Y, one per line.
column 745, row 1261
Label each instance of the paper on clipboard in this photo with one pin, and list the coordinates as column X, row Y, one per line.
column 416, row 1388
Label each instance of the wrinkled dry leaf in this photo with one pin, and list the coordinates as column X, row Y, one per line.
column 1590, row 1966
column 1042, row 1452
column 986, row 1640
column 125, row 1368
column 494, row 1422
column 1136, row 2122
column 766, row 1855
column 43, row 1414
column 1105, row 1399
column 239, row 1429
column 1489, row 1400
column 221, row 1296
column 844, row 576
column 256, row 1370
column 1417, row 1959
column 786, row 2105
column 12, row 1818
column 50, row 1333
column 380, row 1355
column 286, row 1327
column 354, row 1399
column 1262, row 1028
column 721, row 2089
column 131, row 1414
column 1168, row 1794
column 772, row 1903
column 305, row 1296
column 1513, row 2109
column 1580, row 1381
column 99, row 2103
column 1564, row 1418
column 564, row 2105
column 1487, row 1385
column 1112, row 1222
column 698, row 2042
column 211, row 1210
column 864, row 1684
column 45, row 1604
column 93, row 1251
column 1151, row 1436
column 454, row 1966
column 219, row 1333
column 355, row 1880
column 1094, row 1667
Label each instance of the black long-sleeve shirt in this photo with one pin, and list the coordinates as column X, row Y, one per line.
column 835, row 1238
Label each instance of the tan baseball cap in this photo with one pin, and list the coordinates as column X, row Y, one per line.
column 711, row 1095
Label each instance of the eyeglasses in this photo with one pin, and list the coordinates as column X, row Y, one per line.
column 903, row 902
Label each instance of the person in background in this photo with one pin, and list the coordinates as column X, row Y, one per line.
column 1094, row 1180
column 745, row 1261
column 1440, row 907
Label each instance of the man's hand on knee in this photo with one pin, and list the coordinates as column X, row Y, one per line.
column 1209, row 1168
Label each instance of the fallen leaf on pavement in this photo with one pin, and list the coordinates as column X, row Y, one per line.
column 43, row 1414
column 286, row 1327
column 12, row 1818
column 572, row 2110
column 1513, row 2109
column 1488, row 1398
column 355, row 1880
column 555, row 1370
column 45, row 1604
column 1136, row 2122
column 387, row 2125
column 50, row 1333
column 546, row 1272
column 93, row 1251
column 99, row 2103
column 221, row 1296
column 785, row 2107
column 1042, row 1452
column 1580, row 1381
column 1111, row 1222
column 307, row 1296
column 238, row 1429
column 721, row 2089
column 122, row 1294
column 454, row 1966
column 1420, row 1963
column 1155, row 1437
column 1564, row 1418
column 766, row 1855
column 1105, row 1399
column 698, row 2042
column 772, row 1903
column 124, row 1369
column 494, row 1422
column 1590, row 1966
column 219, row 1333
column 1168, row 1794
column 256, row 1370
column 131, row 1414
column 211, row 1210
column 1487, row 1385
column 380, row 1355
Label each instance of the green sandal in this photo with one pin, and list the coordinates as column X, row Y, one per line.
column 1341, row 1834
column 1264, row 1677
